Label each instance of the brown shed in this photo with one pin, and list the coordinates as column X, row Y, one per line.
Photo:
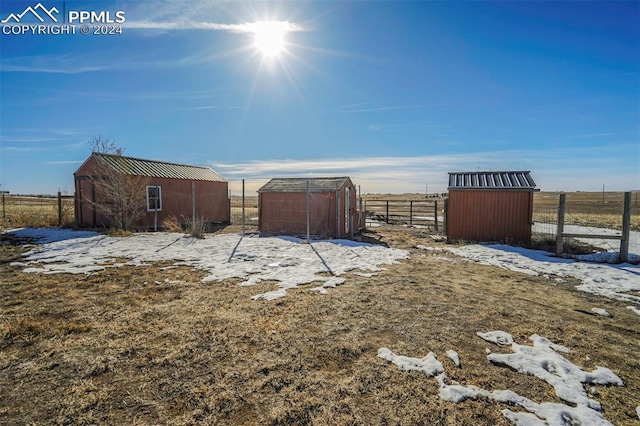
column 282, row 204
column 165, row 189
column 490, row 206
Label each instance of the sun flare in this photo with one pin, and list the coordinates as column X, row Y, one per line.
column 269, row 37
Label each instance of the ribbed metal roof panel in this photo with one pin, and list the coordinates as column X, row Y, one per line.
column 316, row 184
column 513, row 180
column 160, row 169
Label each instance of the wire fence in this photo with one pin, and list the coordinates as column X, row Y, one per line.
column 250, row 210
column 37, row 210
column 425, row 213
column 576, row 220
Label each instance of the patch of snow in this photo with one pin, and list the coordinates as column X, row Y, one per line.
column 610, row 280
column 428, row 365
column 453, row 355
column 638, row 411
column 634, row 309
column 500, row 338
column 543, row 362
column 543, row 341
column 254, row 259
column 540, row 360
column 545, row 413
column 601, row 311
column 50, row 235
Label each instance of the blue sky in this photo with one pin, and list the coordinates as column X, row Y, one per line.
column 393, row 94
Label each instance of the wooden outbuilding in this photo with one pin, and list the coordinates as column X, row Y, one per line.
column 490, row 206
column 160, row 189
column 283, row 204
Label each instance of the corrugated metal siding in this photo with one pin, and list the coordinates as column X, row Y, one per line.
column 490, row 215
column 519, row 180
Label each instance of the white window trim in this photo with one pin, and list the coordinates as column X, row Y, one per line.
column 159, row 198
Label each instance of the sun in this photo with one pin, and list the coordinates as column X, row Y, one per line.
column 269, row 37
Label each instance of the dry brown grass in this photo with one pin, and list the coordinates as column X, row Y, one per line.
column 150, row 346
column 36, row 212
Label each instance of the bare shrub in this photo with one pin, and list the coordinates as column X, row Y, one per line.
column 119, row 196
column 172, row 224
column 196, row 228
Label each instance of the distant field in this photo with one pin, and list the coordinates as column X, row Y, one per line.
column 35, row 211
column 583, row 208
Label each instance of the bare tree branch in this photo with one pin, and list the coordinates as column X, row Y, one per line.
column 119, row 196
column 104, row 145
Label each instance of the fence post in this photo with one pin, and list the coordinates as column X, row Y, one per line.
column 560, row 226
column 444, row 216
column 387, row 211
column 308, row 213
column 435, row 209
column 626, row 225
column 410, row 212
column 59, row 209
column 364, row 213
column 243, row 207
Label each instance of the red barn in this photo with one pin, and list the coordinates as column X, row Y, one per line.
column 282, row 204
column 490, row 206
column 165, row 189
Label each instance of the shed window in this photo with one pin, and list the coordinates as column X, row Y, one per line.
column 154, row 198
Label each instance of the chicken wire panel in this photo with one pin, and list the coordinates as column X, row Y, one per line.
column 286, row 214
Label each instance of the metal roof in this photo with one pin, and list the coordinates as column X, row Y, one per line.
column 316, row 184
column 159, row 169
column 510, row 180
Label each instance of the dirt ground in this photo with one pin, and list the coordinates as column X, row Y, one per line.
column 142, row 345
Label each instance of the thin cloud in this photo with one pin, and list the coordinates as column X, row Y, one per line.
column 50, row 64
column 63, row 162
column 588, row 136
column 560, row 169
column 205, row 107
column 248, row 27
column 69, row 64
column 16, row 149
column 62, row 69
column 29, row 139
column 375, row 109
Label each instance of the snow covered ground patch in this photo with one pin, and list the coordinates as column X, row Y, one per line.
column 429, row 365
column 541, row 360
column 607, row 244
column 610, row 280
column 601, row 311
column 49, row 235
column 283, row 259
column 635, row 309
